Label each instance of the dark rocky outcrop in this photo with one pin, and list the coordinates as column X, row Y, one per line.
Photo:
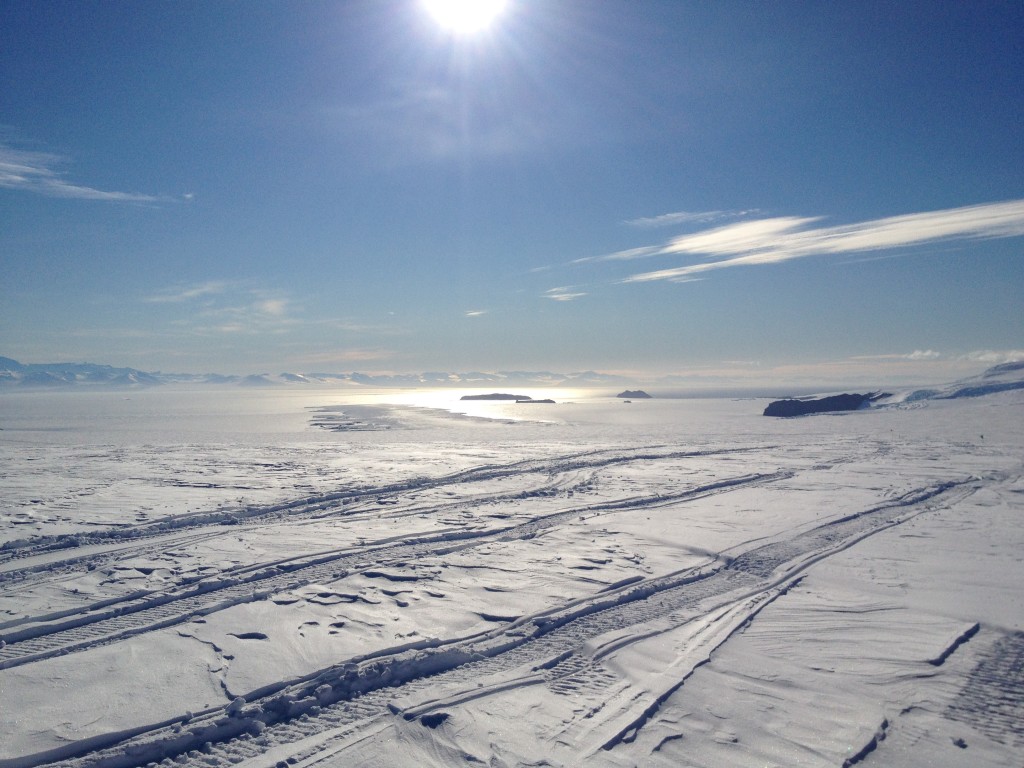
column 844, row 402
column 635, row 394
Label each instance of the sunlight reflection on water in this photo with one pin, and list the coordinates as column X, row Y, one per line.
column 229, row 414
column 286, row 415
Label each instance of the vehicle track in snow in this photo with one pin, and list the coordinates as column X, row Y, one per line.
column 326, row 707
column 29, row 641
column 567, row 473
column 326, row 505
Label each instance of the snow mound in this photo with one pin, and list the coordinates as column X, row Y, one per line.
column 999, row 378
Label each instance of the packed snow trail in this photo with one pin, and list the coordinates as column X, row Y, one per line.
column 328, row 504
column 34, row 641
column 544, row 648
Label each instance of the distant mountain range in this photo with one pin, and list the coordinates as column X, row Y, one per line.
column 56, row 375
column 15, row 375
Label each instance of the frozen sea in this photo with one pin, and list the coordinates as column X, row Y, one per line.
column 334, row 577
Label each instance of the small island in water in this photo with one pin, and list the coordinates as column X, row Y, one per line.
column 637, row 394
column 505, row 396
column 496, row 396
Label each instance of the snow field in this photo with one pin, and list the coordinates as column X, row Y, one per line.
column 710, row 588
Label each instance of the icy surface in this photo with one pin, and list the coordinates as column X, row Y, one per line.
column 334, row 578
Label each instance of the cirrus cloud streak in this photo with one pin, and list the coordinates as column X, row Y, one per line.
column 775, row 240
column 563, row 294
column 37, row 172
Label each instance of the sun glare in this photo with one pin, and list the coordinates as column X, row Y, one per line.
column 464, row 17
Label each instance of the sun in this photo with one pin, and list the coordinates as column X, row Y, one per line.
column 464, row 17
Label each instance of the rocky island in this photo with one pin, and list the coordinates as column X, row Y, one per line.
column 636, row 394
column 843, row 402
column 496, row 396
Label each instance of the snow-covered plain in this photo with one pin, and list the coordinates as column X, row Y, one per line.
column 340, row 577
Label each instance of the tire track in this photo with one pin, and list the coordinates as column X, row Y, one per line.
column 332, row 703
column 89, row 627
column 326, row 505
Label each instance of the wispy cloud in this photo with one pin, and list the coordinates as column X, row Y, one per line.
column 665, row 219
column 916, row 355
column 237, row 308
column 218, row 306
column 994, row 356
column 775, row 240
column 626, row 255
column 271, row 307
column 179, row 294
column 38, row 172
column 687, row 217
column 563, row 294
column 253, row 314
column 475, row 312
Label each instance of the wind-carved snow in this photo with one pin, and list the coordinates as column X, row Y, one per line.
column 993, row 696
column 676, row 582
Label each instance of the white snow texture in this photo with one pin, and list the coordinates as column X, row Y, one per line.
column 209, row 578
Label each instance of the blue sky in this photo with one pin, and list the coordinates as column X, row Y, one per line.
column 719, row 192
